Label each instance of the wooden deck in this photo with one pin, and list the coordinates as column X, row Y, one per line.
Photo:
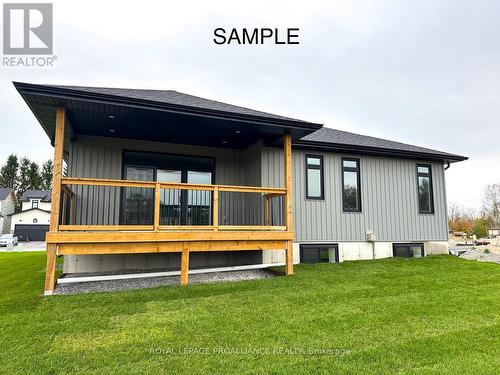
column 66, row 238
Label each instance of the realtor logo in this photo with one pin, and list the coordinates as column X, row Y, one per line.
column 27, row 29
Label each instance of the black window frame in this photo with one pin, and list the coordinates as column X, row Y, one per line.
column 33, row 203
column 321, row 176
column 431, row 189
column 357, row 169
column 408, row 245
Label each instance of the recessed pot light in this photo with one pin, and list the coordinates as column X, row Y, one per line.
column 111, row 116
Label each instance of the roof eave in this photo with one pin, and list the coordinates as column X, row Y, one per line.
column 29, row 209
column 337, row 147
column 64, row 93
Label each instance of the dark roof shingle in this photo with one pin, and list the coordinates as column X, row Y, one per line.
column 4, row 193
column 43, row 195
column 343, row 138
column 174, row 97
column 327, row 138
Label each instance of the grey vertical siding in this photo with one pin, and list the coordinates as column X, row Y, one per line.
column 94, row 157
column 388, row 189
column 388, row 193
column 251, row 176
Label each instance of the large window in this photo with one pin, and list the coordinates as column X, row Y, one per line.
column 424, row 184
column 351, row 185
column 314, row 177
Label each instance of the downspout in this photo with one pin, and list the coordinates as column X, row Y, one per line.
column 446, row 166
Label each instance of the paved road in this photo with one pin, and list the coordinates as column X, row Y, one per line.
column 26, row 246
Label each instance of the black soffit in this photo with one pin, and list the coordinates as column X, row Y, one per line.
column 103, row 114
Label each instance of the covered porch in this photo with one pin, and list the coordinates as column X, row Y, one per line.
column 162, row 201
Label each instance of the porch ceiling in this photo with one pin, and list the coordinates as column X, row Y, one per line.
column 157, row 118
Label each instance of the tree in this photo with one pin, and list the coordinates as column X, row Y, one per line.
column 8, row 173
column 29, row 176
column 47, row 175
column 34, row 178
column 461, row 219
column 491, row 203
column 481, row 226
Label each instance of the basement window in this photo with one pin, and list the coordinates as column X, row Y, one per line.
column 424, row 185
column 321, row 253
column 408, row 250
column 314, row 177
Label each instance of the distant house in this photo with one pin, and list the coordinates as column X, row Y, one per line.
column 454, row 233
column 494, row 232
column 7, row 207
column 34, row 219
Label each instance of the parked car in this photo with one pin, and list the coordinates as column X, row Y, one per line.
column 23, row 238
column 8, row 239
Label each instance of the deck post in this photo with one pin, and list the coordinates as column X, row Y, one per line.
column 157, row 208
column 50, row 271
column 287, row 157
column 71, row 205
column 267, row 213
column 56, row 198
column 184, row 263
column 215, row 214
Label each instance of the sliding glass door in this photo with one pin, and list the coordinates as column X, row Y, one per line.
column 139, row 202
column 170, row 199
column 199, row 202
column 177, row 206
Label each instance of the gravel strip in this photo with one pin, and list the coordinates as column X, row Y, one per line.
column 153, row 282
column 481, row 256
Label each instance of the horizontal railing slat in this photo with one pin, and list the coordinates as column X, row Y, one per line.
column 106, row 227
column 171, row 185
column 156, row 187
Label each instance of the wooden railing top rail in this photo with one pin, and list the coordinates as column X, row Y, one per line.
column 148, row 228
column 172, row 185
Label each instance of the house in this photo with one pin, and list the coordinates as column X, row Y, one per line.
column 7, row 207
column 34, row 219
column 458, row 234
column 165, row 180
column 494, row 232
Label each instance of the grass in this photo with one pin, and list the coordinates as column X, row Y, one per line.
column 432, row 315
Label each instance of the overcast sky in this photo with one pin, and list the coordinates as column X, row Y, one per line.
column 426, row 73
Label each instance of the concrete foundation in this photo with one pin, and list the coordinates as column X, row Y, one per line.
column 165, row 261
column 171, row 261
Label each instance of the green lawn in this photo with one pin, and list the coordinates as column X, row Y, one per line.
column 432, row 315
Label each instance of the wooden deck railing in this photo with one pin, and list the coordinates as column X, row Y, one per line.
column 93, row 239
column 69, row 198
